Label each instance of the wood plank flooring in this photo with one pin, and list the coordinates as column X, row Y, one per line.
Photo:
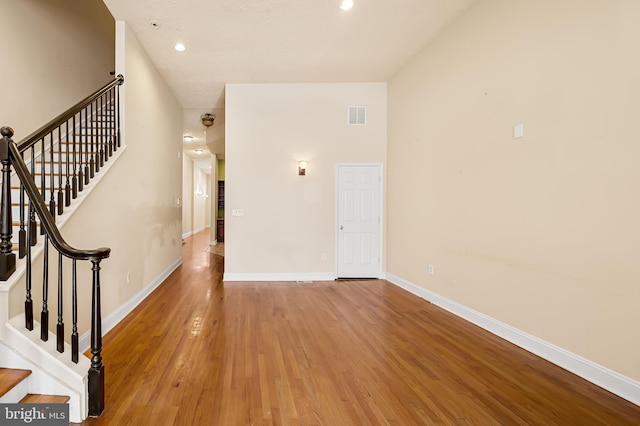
column 200, row 352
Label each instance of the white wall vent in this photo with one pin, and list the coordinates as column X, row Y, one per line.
column 357, row 115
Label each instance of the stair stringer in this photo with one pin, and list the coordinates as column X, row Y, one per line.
column 50, row 374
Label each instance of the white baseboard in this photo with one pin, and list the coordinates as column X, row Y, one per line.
column 195, row 231
column 283, row 276
column 84, row 342
column 615, row 383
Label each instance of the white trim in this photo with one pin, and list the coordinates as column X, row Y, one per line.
column 200, row 229
column 55, row 373
column 190, row 233
column 125, row 309
column 282, row 276
column 120, row 47
column 616, row 383
column 380, row 166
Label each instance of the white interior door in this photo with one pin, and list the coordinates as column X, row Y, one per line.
column 359, row 221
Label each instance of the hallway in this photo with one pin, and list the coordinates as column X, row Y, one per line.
column 200, row 352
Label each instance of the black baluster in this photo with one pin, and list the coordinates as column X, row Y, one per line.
column 95, row 145
column 44, row 315
column 111, row 122
column 74, row 312
column 101, row 138
column 33, row 226
column 67, row 186
column 91, row 160
column 43, row 181
column 28, row 303
column 52, row 199
column 74, row 180
column 7, row 258
column 22, row 233
column 96, row 372
column 60, row 325
column 80, row 172
column 118, row 111
column 60, row 192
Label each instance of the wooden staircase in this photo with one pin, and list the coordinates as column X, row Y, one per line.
column 14, row 388
column 45, row 178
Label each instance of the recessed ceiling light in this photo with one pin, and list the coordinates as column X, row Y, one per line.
column 346, row 4
column 198, row 151
column 187, row 138
column 180, row 47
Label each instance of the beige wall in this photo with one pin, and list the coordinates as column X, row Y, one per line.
column 134, row 209
column 288, row 219
column 55, row 53
column 196, row 209
column 541, row 232
column 201, row 205
column 187, row 195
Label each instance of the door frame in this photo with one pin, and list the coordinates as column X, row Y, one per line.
column 336, row 219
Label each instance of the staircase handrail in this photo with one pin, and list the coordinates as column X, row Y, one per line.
column 34, row 137
column 46, row 218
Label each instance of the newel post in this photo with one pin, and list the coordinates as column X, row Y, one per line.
column 7, row 257
column 96, row 372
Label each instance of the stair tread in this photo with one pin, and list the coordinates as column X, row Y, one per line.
column 34, row 398
column 10, row 377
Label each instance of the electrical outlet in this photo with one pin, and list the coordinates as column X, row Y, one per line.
column 430, row 269
column 324, row 256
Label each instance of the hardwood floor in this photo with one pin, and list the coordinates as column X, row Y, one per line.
column 200, row 352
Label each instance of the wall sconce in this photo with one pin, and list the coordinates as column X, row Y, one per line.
column 187, row 138
column 302, row 168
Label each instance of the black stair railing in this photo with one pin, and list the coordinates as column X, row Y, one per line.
column 62, row 156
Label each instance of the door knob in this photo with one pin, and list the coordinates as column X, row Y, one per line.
column 341, row 227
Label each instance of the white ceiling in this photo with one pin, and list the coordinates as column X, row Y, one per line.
column 279, row 41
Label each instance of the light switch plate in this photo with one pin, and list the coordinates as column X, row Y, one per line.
column 518, row 131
